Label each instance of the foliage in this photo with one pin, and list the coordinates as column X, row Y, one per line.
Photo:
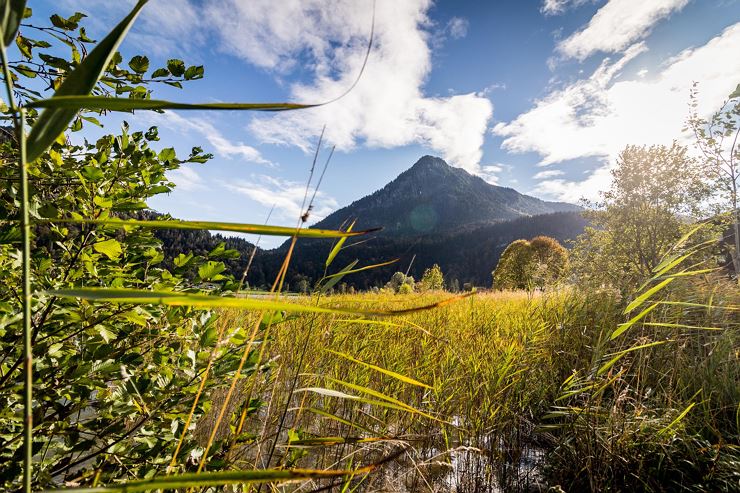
column 398, row 280
column 433, row 279
column 101, row 372
column 537, row 263
column 654, row 194
column 717, row 140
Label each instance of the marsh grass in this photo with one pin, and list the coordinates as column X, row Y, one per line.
column 516, row 398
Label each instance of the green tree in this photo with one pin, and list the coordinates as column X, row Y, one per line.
column 433, row 279
column 531, row 264
column 398, row 280
column 512, row 270
column 718, row 141
column 109, row 377
column 655, row 192
column 550, row 259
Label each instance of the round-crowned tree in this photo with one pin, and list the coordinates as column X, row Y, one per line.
column 536, row 263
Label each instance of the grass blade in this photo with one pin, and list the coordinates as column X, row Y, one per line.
column 678, row 419
column 622, row 327
column 103, row 103
column 390, row 373
column 172, row 298
column 258, row 229
column 81, row 81
column 339, row 419
column 337, row 247
column 647, row 294
column 621, row 354
column 221, row 478
column 346, row 271
column 12, row 15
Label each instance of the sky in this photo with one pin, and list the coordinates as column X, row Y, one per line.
column 538, row 95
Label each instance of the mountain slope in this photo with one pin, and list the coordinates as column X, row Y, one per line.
column 431, row 213
column 433, row 197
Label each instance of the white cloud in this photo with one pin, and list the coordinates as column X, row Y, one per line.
column 164, row 27
column 616, row 26
column 557, row 7
column 286, row 196
column 458, row 27
column 387, row 108
column 221, row 145
column 490, row 172
column 548, row 173
column 186, row 178
column 327, row 42
column 598, row 116
column 573, row 191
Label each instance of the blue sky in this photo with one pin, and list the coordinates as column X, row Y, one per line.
column 536, row 95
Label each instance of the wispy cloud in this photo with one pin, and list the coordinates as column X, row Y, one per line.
column 557, row 7
column 327, row 40
column 286, row 196
column 616, row 26
column 387, row 108
column 458, row 27
column 167, row 28
column 186, row 178
column 548, row 173
column 599, row 115
column 221, row 145
column 490, row 172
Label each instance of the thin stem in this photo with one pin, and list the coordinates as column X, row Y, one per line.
column 19, row 117
column 27, row 348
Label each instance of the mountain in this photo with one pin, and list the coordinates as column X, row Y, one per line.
column 431, row 213
column 432, row 197
column 468, row 256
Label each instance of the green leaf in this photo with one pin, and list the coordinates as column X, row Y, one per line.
column 81, row 81
column 334, row 279
column 92, row 173
column 103, row 202
column 160, row 72
column 139, row 64
column 621, row 354
column 219, row 226
column 182, row 260
column 105, row 333
column 678, row 419
column 110, row 248
column 176, row 67
column 735, row 93
column 211, row 271
column 25, row 70
column 167, row 154
column 127, row 104
column 194, row 72
column 12, row 13
column 209, row 337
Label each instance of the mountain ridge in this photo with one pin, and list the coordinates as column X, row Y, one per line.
column 434, row 197
column 430, row 213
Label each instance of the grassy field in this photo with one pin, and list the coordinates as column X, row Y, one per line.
column 504, row 390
